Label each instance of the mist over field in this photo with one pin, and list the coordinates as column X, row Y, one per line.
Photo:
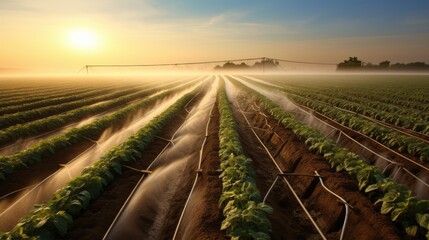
column 144, row 119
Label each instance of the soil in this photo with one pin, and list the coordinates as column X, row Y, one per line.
column 376, row 147
column 206, row 220
column 293, row 156
column 203, row 218
column 25, row 177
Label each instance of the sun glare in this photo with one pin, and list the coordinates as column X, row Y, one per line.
column 83, row 39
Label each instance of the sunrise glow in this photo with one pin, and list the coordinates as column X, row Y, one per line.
column 83, row 39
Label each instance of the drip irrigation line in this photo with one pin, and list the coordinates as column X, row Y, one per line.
column 420, row 180
column 198, row 172
column 135, row 169
column 16, row 191
column 67, row 169
column 148, row 169
column 354, row 131
column 59, row 130
column 165, row 139
column 370, row 150
column 47, row 178
column 390, row 126
column 35, row 186
column 346, row 204
column 282, row 174
column 284, row 178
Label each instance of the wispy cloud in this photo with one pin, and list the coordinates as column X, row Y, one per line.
column 125, row 9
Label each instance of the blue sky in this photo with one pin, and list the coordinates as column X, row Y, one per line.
column 313, row 18
column 181, row 30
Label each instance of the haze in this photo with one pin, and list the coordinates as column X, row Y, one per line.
column 35, row 35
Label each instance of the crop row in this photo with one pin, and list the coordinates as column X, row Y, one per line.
column 419, row 95
column 55, row 218
column 50, row 146
column 362, row 99
column 72, row 96
column 387, row 98
column 387, row 136
column 404, row 111
column 375, row 95
column 34, row 114
column 396, row 118
column 40, row 94
column 245, row 214
column 395, row 199
column 16, row 132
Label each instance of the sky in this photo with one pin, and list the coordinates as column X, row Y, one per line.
column 37, row 35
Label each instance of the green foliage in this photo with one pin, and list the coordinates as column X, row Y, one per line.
column 387, row 136
column 18, row 131
column 55, row 218
column 402, row 117
column 73, row 96
column 395, row 199
column 53, row 106
column 245, row 214
column 52, row 145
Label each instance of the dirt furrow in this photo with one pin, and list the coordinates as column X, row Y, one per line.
column 291, row 153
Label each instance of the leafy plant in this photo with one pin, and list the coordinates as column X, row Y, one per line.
column 52, row 145
column 395, row 199
column 245, row 214
column 47, row 221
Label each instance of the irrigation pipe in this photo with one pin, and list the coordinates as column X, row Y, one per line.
column 387, row 125
column 346, row 204
column 46, row 179
column 16, row 191
column 402, row 130
column 354, row 131
column 196, row 176
column 284, row 178
column 148, row 169
column 43, row 181
column 59, row 130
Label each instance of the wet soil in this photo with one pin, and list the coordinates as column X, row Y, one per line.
column 378, row 148
column 293, row 156
column 25, row 177
column 206, row 218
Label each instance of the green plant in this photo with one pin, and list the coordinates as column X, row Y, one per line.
column 245, row 214
column 395, row 199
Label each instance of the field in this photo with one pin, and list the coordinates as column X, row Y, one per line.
column 215, row 157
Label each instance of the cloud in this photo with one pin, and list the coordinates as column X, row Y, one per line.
column 125, row 9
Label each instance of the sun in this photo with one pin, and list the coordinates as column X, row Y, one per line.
column 83, row 39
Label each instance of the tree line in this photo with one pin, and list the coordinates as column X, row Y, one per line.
column 354, row 64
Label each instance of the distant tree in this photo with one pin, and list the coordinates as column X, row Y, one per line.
column 352, row 64
column 413, row 66
column 266, row 64
column 384, row 64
